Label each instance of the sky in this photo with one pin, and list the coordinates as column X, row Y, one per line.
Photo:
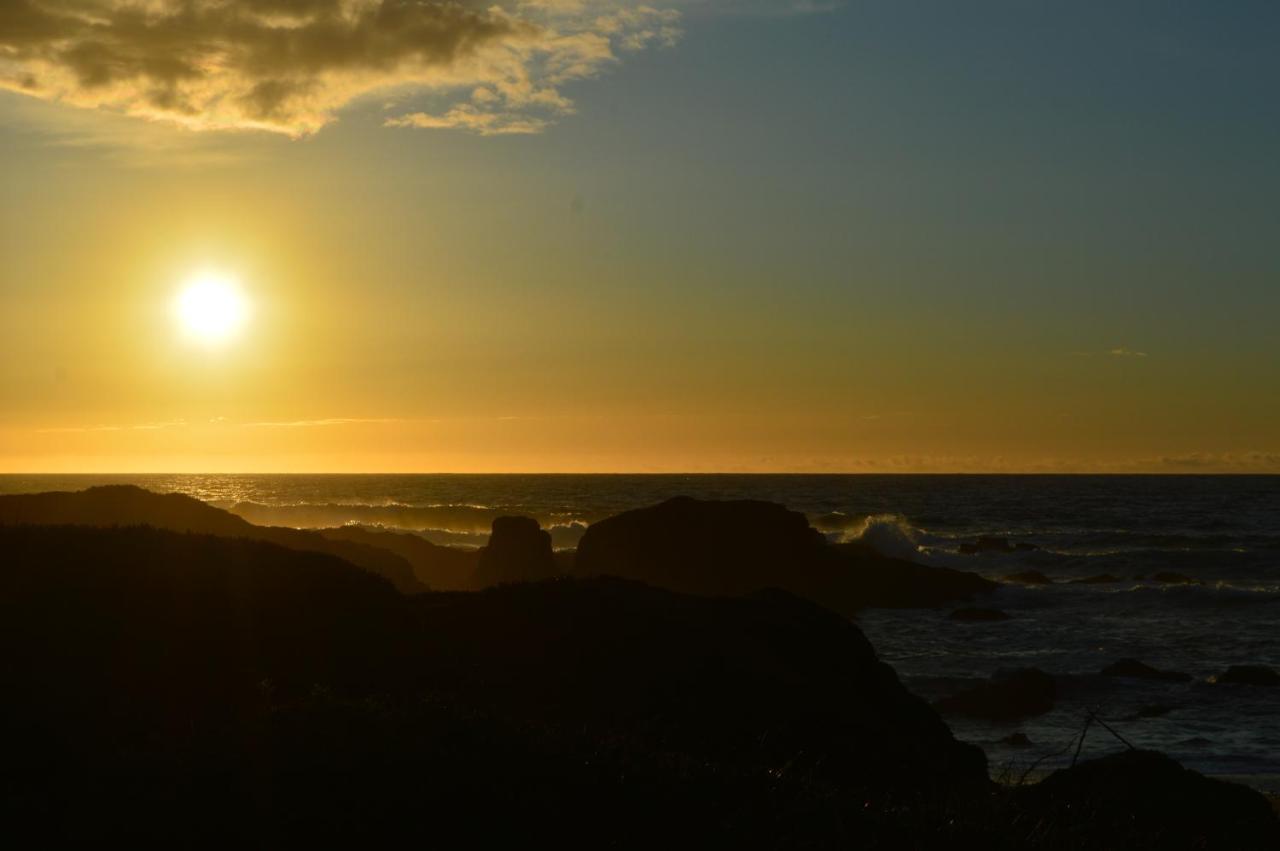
column 595, row 236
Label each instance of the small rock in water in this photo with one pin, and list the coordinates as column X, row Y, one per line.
column 1251, row 675
column 1016, row 740
column 1022, row 694
column 987, row 544
column 1134, row 669
column 975, row 613
column 1029, row 577
column 519, row 550
column 1155, row 710
column 1100, row 579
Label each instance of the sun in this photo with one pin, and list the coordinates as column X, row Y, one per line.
column 211, row 309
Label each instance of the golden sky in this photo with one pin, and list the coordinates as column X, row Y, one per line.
column 599, row 236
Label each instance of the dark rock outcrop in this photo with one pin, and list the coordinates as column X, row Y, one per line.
column 707, row 547
column 976, row 613
column 1020, row 694
column 1141, row 799
column 127, row 505
column 136, row 655
column 736, row 547
column 519, row 550
column 1017, row 740
column 1029, row 577
column 436, row 567
column 1136, row 670
column 1250, row 675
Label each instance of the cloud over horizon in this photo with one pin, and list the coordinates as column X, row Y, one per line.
column 288, row 66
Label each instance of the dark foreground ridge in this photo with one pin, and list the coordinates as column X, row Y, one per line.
column 128, row 505
column 180, row 689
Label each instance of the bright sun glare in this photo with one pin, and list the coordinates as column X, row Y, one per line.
column 211, row 309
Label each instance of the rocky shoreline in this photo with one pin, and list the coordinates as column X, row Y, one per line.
column 692, row 675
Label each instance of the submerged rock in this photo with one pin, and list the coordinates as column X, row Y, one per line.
column 1155, row 710
column 986, row 544
column 975, row 613
column 991, row 544
column 1029, row 577
column 519, row 550
column 1252, row 675
column 1133, row 669
column 1100, row 579
column 1021, row 694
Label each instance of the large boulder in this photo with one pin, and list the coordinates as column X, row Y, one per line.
column 736, row 547
column 703, row 547
column 1142, row 799
column 519, row 550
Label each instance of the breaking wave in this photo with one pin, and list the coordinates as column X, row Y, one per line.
column 888, row 534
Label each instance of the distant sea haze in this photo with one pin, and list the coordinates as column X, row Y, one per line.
column 1220, row 532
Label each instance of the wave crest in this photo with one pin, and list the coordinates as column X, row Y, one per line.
column 888, row 534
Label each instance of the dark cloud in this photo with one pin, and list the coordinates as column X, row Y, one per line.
column 288, row 65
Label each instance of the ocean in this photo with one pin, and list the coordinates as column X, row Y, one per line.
column 1223, row 532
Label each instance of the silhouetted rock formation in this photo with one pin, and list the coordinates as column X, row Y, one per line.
column 519, row 550
column 1251, row 675
column 126, row 505
column 975, row 613
column 1017, row 740
column 1141, row 799
column 735, row 547
column 167, row 689
column 1021, row 694
column 436, row 567
column 1136, row 670
column 732, row 547
column 1029, row 577
column 178, row 676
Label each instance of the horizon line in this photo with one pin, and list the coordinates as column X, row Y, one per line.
column 663, row 473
